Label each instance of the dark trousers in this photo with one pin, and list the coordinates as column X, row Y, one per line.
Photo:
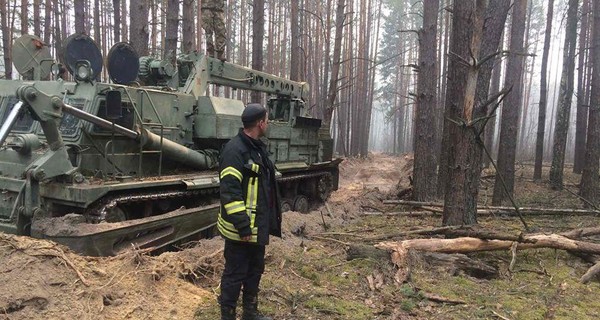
column 244, row 266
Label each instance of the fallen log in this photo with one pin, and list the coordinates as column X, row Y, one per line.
column 456, row 264
column 496, row 208
column 361, row 251
column 428, row 231
column 399, row 250
column 469, row 244
column 591, row 273
column 489, row 212
column 582, row 232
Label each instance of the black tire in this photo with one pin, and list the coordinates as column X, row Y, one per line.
column 301, row 204
column 286, row 205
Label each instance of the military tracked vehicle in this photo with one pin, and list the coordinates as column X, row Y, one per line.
column 104, row 167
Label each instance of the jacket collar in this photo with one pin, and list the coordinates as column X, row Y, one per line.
column 251, row 142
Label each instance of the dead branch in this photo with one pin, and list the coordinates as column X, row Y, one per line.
column 469, row 244
column 591, row 273
column 488, row 212
column 499, row 208
column 581, row 233
column 428, row 231
column 440, row 299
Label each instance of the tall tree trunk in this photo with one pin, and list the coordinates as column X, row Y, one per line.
column 295, row 62
column 490, row 128
column 189, row 32
column 97, row 36
column 442, row 142
column 6, row 41
column 566, row 96
column 154, row 26
column 335, row 68
column 582, row 110
column 511, row 106
column 117, row 20
column 37, row 23
column 172, row 30
column 371, row 86
column 57, row 30
column 258, row 31
column 590, row 181
column 425, row 163
column 464, row 154
column 525, row 104
column 24, row 16
column 79, row 7
column 139, row 26
column 539, row 143
column 495, row 18
column 47, row 20
column 124, row 28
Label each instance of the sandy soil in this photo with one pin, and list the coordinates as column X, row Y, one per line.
column 43, row 280
column 307, row 275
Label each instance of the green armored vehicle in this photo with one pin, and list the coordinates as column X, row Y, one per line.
column 104, row 167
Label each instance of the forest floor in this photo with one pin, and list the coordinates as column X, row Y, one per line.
column 307, row 274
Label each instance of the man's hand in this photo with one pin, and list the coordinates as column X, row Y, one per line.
column 246, row 238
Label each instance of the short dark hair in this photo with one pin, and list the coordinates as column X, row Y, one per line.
column 252, row 124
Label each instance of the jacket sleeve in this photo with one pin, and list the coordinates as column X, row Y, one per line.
column 232, row 197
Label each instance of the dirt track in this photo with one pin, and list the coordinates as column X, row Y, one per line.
column 42, row 280
column 307, row 274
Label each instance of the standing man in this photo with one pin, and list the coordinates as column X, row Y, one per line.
column 213, row 22
column 250, row 212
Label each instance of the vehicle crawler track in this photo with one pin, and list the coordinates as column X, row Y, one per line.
column 300, row 189
column 98, row 213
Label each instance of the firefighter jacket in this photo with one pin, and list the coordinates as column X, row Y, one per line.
column 250, row 202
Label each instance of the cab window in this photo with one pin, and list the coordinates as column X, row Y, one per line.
column 126, row 120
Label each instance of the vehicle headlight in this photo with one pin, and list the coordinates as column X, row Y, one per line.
column 83, row 71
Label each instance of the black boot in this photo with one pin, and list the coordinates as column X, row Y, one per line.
column 227, row 313
column 251, row 308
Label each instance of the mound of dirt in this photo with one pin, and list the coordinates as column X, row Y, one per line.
column 43, row 280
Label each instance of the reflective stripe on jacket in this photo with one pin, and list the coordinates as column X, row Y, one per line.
column 249, row 196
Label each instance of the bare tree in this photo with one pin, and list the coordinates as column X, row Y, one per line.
column 170, row 46
column 47, row 20
column 511, row 106
column 539, row 144
column 79, row 7
column 124, row 28
column 296, row 63
column 138, row 21
column 335, row 68
column 189, row 32
column 495, row 18
column 6, row 41
column 58, row 35
column 425, row 163
column 117, row 20
column 582, row 89
column 476, row 31
column 24, row 16
column 97, row 35
column 258, row 31
column 37, row 24
column 565, row 99
column 590, row 181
